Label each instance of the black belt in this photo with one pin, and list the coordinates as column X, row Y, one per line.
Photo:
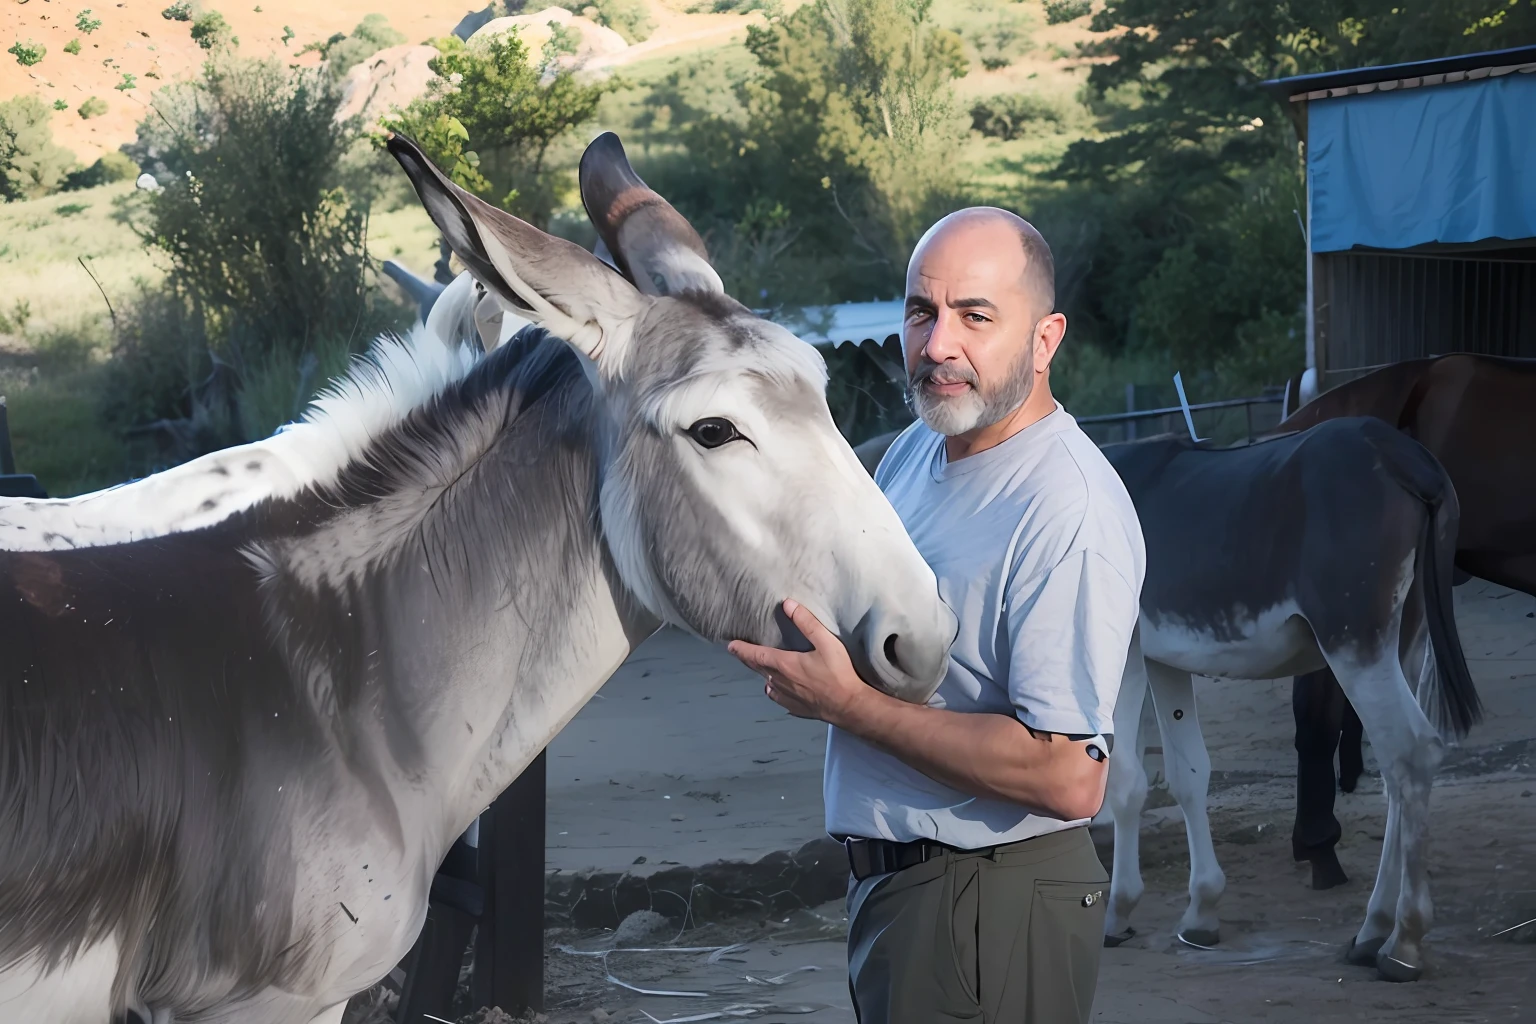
column 869, row 857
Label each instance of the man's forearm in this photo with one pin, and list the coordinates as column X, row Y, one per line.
column 984, row 755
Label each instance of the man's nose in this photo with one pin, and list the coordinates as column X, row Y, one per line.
column 943, row 339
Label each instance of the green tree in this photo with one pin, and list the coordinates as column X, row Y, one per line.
column 836, row 154
column 490, row 117
column 31, row 163
column 1194, row 71
column 1190, row 194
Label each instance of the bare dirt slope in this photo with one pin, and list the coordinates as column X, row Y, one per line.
column 135, row 40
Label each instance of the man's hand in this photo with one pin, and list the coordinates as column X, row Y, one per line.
column 819, row 684
column 987, row 755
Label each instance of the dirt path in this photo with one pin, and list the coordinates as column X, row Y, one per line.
column 681, row 760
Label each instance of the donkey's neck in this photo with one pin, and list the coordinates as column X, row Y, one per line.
column 468, row 608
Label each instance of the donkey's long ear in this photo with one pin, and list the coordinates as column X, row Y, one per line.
column 651, row 242
column 546, row 279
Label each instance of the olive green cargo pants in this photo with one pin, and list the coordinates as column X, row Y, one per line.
column 1007, row 937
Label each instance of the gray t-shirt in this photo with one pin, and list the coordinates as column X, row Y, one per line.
column 1037, row 549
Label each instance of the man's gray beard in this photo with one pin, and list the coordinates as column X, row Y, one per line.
column 972, row 409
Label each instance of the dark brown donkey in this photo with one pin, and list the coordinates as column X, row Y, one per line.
column 1477, row 415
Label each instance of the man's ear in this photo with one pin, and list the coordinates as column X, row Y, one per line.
column 545, row 279
column 1049, row 333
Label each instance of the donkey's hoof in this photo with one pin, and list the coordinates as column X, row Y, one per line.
column 1350, row 780
column 1205, row 938
column 1392, row 969
column 1363, row 954
column 1111, row 941
column 1327, row 872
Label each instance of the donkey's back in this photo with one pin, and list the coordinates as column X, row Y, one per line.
column 1278, row 550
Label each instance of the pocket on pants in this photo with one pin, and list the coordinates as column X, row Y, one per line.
column 1066, row 937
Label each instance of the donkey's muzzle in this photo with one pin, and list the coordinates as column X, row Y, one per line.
column 905, row 657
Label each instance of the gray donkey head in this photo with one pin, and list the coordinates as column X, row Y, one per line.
column 726, row 488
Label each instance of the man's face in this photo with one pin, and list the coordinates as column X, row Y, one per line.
column 971, row 326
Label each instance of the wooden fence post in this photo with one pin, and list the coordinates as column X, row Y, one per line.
column 509, row 942
column 7, row 458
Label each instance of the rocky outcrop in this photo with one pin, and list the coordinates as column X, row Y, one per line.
column 596, row 40
column 391, row 78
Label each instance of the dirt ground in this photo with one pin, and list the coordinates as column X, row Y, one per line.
column 680, row 719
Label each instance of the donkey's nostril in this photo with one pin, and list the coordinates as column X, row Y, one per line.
column 890, row 652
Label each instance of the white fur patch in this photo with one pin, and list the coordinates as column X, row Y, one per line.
column 1269, row 644
column 77, row 992
column 378, row 392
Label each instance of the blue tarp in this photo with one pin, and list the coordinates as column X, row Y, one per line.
column 1441, row 163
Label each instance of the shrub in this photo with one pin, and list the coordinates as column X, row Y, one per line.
column 15, row 321
column 95, row 106
column 770, row 8
column 85, row 23
column 629, row 18
column 31, row 163
column 1059, row 11
column 60, row 105
column 210, row 30
column 28, row 53
column 113, row 166
column 72, row 47
column 128, row 82
column 182, row 10
column 371, row 35
column 267, row 264
column 1009, row 116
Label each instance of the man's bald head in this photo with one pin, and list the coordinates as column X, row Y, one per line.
column 978, row 227
column 980, row 328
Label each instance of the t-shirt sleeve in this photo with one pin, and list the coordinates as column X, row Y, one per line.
column 1069, row 630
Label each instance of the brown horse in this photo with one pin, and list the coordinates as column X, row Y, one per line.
column 1477, row 415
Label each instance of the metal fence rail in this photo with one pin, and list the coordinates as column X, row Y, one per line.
column 1218, row 420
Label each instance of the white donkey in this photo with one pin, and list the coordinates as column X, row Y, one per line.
column 247, row 704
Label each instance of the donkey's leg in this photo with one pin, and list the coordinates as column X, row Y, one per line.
column 1381, row 909
column 1351, row 752
column 1126, row 795
column 1317, row 703
column 1409, row 751
column 1187, row 765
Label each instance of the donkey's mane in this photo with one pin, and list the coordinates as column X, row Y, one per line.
column 379, row 392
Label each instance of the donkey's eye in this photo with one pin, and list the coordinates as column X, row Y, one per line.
column 714, row 432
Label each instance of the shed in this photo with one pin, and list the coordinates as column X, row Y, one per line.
column 1421, row 209
column 846, row 323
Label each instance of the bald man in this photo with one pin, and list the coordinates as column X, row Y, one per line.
column 975, row 891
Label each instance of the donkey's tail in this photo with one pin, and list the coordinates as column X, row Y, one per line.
column 1455, row 700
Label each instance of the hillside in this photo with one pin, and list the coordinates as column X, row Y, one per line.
column 138, row 47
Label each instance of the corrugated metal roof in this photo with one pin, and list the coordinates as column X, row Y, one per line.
column 845, row 323
column 1441, row 69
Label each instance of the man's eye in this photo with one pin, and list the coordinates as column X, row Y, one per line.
column 712, row 432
